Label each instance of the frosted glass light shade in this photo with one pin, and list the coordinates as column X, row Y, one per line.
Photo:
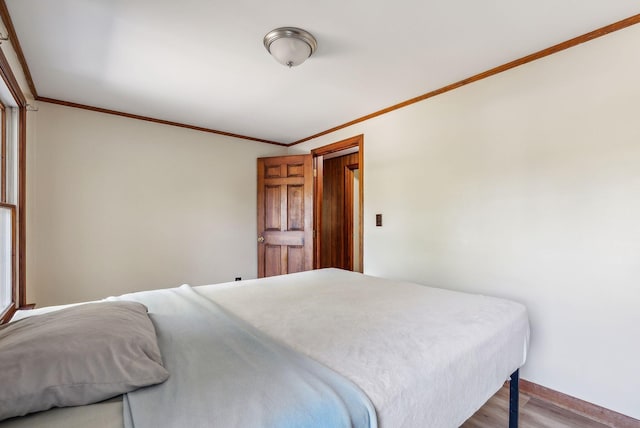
column 290, row 52
column 290, row 46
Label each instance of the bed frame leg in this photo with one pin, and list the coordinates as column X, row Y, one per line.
column 514, row 392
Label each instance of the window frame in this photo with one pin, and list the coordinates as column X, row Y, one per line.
column 3, row 154
column 7, row 312
column 19, row 222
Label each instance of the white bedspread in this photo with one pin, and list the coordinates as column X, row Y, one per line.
column 426, row 357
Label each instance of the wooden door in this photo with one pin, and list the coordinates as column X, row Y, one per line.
column 285, row 215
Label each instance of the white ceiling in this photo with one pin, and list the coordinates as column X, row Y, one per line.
column 202, row 62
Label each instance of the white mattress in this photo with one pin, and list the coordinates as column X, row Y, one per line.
column 426, row 357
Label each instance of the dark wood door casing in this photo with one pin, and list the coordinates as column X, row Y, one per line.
column 318, row 162
column 337, row 209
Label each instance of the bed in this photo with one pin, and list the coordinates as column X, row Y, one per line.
column 423, row 356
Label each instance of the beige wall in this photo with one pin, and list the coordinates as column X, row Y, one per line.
column 118, row 205
column 525, row 185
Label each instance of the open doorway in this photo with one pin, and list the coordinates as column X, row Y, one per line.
column 338, row 184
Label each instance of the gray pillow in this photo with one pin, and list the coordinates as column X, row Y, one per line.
column 76, row 356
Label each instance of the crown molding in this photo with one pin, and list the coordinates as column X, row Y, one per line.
column 635, row 19
column 154, row 120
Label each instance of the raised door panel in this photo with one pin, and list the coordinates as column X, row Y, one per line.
column 272, row 208
column 295, row 259
column 272, row 260
column 295, row 207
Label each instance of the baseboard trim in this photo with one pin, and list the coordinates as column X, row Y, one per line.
column 590, row 410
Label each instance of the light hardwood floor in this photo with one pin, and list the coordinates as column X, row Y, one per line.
column 534, row 413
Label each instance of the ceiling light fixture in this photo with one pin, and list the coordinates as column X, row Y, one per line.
column 290, row 46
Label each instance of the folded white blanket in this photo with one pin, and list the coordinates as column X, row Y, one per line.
column 225, row 373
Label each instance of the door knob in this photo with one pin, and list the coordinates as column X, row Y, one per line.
column 261, row 239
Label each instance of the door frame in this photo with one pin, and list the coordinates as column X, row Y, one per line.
column 348, row 208
column 318, row 162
